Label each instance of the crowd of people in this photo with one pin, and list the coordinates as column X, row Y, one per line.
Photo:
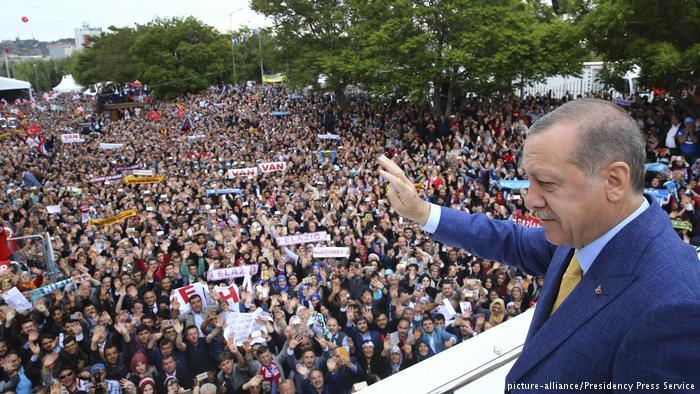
column 113, row 322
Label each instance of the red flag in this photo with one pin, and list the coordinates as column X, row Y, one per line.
column 33, row 130
column 6, row 247
column 154, row 116
column 180, row 113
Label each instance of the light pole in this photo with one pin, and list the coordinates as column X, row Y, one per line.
column 233, row 45
column 36, row 79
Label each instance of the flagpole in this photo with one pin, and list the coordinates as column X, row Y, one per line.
column 233, row 45
column 261, row 64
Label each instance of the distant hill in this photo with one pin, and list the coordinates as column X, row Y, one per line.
column 19, row 47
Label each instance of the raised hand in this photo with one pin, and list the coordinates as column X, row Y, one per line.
column 402, row 193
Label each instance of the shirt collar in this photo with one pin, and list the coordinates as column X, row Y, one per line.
column 587, row 254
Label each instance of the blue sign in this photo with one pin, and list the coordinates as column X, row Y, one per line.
column 514, row 184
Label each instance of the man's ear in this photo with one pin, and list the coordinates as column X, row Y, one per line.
column 617, row 180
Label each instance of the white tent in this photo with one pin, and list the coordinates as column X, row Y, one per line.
column 68, row 84
column 13, row 84
column 10, row 88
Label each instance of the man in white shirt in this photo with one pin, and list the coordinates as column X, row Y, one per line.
column 671, row 134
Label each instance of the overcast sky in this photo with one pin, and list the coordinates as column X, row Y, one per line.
column 52, row 19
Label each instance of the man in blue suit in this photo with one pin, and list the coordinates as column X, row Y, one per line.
column 620, row 307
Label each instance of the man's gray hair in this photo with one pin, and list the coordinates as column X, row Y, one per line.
column 608, row 134
column 208, row 388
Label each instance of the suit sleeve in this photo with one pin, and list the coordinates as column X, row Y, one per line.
column 662, row 348
column 499, row 240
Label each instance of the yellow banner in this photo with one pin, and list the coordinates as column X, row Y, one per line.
column 5, row 134
column 114, row 219
column 137, row 180
column 274, row 78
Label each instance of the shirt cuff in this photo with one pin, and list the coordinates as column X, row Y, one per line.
column 433, row 220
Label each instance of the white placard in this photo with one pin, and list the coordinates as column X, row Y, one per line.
column 106, row 178
column 16, row 300
column 328, row 137
column 106, row 146
column 330, row 252
column 242, row 324
column 236, row 172
column 229, row 294
column 53, row 208
column 273, row 166
column 72, row 138
column 232, row 272
column 305, row 238
column 143, row 172
column 183, row 294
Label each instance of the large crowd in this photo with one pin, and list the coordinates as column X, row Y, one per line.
column 112, row 321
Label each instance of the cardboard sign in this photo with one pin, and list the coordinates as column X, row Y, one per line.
column 331, row 252
column 71, row 138
column 106, row 178
column 241, row 325
column 16, row 300
column 183, row 295
column 232, row 272
column 135, row 180
column 273, row 166
column 229, row 294
column 113, row 219
column 318, row 236
column 107, row 146
column 237, row 172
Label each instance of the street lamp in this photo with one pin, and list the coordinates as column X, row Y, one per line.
column 233, row 45
column 36, row 79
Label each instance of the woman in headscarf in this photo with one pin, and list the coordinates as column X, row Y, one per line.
column 281, row 285
column 396, row 360
column 140, row 369
column 422, row 351
column 498, row 312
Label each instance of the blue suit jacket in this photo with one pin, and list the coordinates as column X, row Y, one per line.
column 644, row 327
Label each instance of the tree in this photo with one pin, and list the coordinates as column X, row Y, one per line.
column 177, row 55
column 107, row 59
column 44, row 74
column 661, row 36
column 248, row 54
column 449, row 47
column 313, row 36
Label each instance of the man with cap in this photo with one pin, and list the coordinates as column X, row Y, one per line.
column 99, row 381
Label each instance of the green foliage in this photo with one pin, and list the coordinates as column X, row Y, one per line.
column 248, row 55
column 428, row 50
column 108, row 58
column 661, row 36
column 43, row 75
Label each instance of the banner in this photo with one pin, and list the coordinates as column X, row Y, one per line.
column 143, row 172
column 230, row 295
column 682, row 225
column 137, row 180
column 106, row 146
column 330, row 252
column 661, row 196
column 216, row 192
column 274, row 78
column 328, row 137
column 195, row 137
column 129, row 167
column 232, row 272
column 183, row 295
column 273, row 166
column 526, row 221
column 105, row 178
column 297, row 239
column 280, row 113
column 241, row 325
column 5, row 135
column 71, row 138
column 325, row 154
column 514, row 184
column 236, row 172
column 15, row 299
column 114, row 219
column 48, row 289
column 656, row 167
column 623, row 102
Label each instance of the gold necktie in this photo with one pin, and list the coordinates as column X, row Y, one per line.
column 571, row 277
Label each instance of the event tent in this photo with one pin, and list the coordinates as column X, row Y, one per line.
column 12, row 88
column 68, row 84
